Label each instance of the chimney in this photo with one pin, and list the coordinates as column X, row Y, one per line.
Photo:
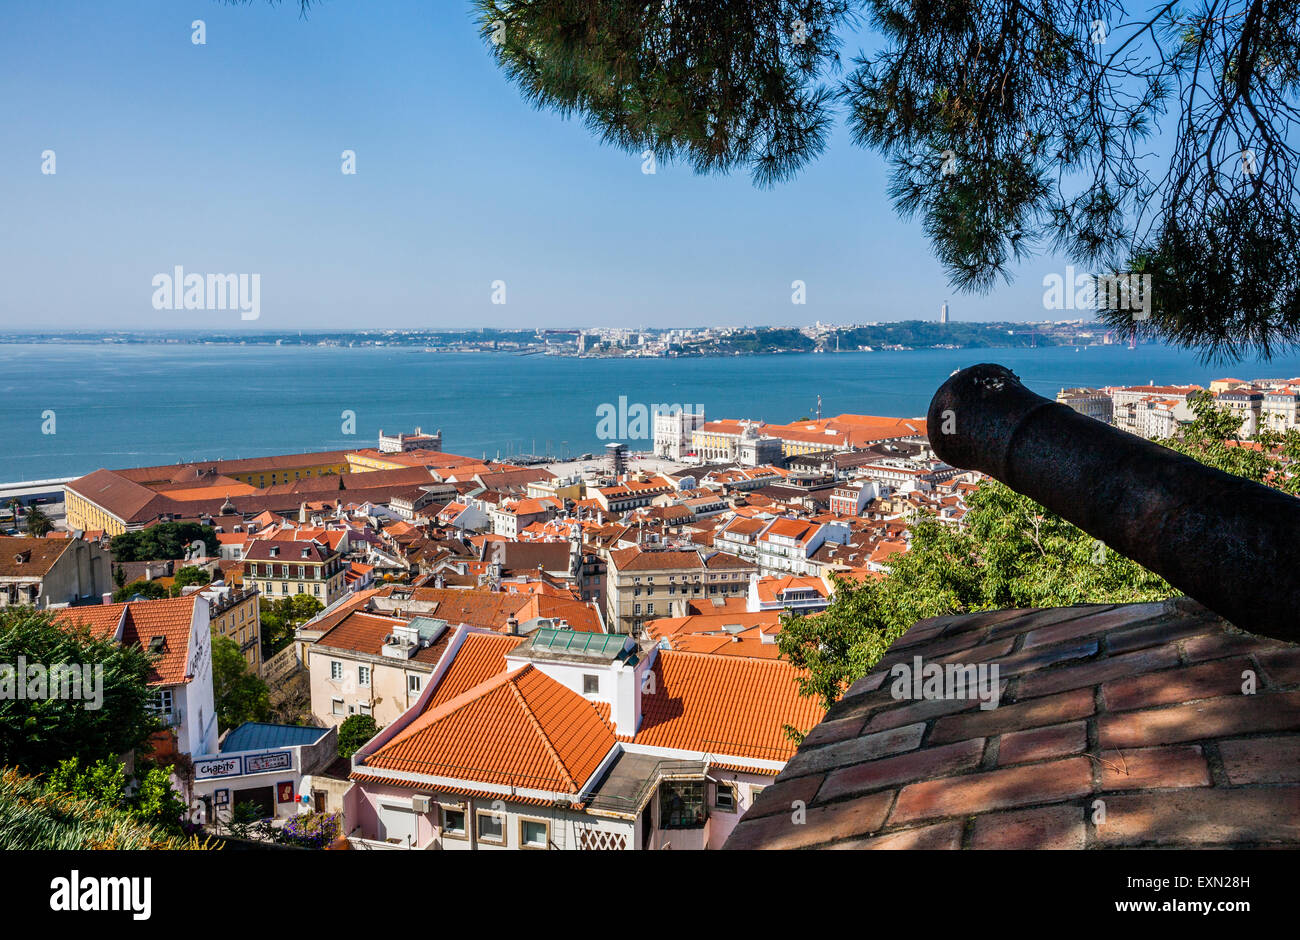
column 1219, row 538
column 512, row 625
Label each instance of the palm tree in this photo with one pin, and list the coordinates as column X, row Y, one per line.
column 37, row 522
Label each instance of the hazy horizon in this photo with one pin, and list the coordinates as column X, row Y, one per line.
column 227, row 156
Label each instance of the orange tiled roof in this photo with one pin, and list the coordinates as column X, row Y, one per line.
column 728, row 705
column 520, row 728
column 480, row 657
column 170, row 619
column 706, row 622
column 772, row 589
column 747, row 642
column 101, row 619
column 361, row 632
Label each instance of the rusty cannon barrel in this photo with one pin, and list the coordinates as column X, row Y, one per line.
column 1231, row 544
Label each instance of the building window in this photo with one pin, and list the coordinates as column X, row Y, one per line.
column 336, row 670
column 364, row 708
column 534, row 834
column 162, row 703
column 681, row 804
column 336, row 706
column 725, row 798
column 491, row 827
column 413, row 683
column 590, row 685
column 363, row 675
column 453, row 823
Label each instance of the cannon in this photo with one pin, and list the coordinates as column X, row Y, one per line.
column 1229, row 543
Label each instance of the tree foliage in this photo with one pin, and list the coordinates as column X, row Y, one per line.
column 149, row 590
column 153, row 801
column 37, row 522
column 166, row 541
column 1158, row 142
column 35, row 733
column 719, row 85
column 240, row 695
column 37, row 816
column 189, row 576
column 355, row 731
column 281, row 618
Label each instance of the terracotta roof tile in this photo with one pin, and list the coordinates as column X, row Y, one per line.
column 520, row 728
column 724, row 705
column 1135, row 702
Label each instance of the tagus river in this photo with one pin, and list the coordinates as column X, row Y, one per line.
column 120, row 405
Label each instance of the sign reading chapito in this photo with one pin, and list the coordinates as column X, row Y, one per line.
column 206, row 769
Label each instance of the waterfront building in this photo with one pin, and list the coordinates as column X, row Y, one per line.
column 1091, row 402
column 673, row 432
column 401, row 443
column 1280, row 410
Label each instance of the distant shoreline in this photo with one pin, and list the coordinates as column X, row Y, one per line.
column 656, row 343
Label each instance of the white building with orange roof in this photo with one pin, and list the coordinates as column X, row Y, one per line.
column 787, row 546
column 177, row 631
column 510, row 517
column 571, row 741
column 799, row 594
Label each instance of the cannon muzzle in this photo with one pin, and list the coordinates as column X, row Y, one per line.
column 1229, row 543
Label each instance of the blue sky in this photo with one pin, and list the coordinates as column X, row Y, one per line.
column 225, row 158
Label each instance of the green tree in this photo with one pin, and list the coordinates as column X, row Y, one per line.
column 149, row 590
column 240, row 695
column 37, row 522
column 166, row 541
column 1010, row 553
column 156, row 801
column 281, row 618
column 188, row 576
column 355, row 731
column 37, row 732
column 103, row 781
